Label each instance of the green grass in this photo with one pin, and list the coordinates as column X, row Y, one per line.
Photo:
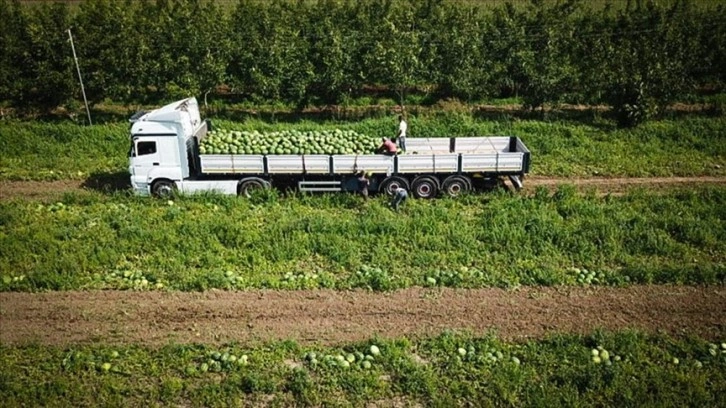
column 590, row 5
column 557, row 371
column 337, row 241
column 60, row 151
column 682, row 147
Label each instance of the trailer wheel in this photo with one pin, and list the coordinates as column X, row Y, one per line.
column 163, row 188
column 425, row 187
column 389, row 185
column 455, row 185
column 248, row 185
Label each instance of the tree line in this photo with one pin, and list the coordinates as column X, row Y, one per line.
column 636, row 57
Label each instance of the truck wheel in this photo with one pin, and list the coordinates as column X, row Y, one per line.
column 387, row 186
column 455, row 185
column 163, row 188
column 425, row 187
column 247, row 186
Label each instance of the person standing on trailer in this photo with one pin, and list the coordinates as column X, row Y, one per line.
column 401, row 136
column 399, row 197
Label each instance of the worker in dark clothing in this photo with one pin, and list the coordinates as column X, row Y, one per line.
column 388, row 147
column 399, row 197
column 363, row 183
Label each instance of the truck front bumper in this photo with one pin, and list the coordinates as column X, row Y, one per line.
column 140, row 188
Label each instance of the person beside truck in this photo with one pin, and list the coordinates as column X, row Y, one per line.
column 399, row 197
column 363, row 183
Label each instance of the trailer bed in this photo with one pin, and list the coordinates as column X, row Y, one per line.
column 491, row 155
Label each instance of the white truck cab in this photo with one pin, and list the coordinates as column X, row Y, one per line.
column 159, row 158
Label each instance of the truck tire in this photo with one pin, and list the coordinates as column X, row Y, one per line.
column 425, row 187
column 248, row 185
column 455, row 185
column 163, row 188
column 387, row 186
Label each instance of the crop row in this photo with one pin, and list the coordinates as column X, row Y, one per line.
column 685, row 147
column 452, row 369
column 341, row 241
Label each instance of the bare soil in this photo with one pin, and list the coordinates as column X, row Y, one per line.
column 621, row 185
column 49, row 190
column 38, row 189
column 334, row 317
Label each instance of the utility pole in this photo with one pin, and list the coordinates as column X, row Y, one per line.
column 83, row 91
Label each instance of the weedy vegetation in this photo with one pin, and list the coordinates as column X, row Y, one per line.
column 683, row 147
column 451, row 369
column 339, row 241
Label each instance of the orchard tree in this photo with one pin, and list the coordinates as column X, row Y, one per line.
column 207, row 47
column 331, row 48
column 15, row 42
column 506, row 46
column 455, row 55
column 391, row 46
column 546, row 70
column 270, row 58
column 49, row 79
column 645, row 61
column 110, row 50
column 465, row 71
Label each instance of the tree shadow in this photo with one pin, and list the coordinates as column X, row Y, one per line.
column 599, row 117
column 594, row 116
column 318, row 115
column 108, row 183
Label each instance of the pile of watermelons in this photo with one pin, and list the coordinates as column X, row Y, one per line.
column 221, row 141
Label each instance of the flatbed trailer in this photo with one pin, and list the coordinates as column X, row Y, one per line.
column 165, row 157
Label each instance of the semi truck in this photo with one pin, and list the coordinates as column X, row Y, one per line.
column 165, row 158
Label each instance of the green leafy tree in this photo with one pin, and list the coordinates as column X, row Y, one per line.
column 14, row 60
column 463, row 66
column 391, row 46
column 707, row 27
column 185, row 47
column 331, row 42
column 49, row 77
column 643, row 62
column 212, row 49
column 270, row 58
column 506, row 47
column 546, row 71
column 111, row 53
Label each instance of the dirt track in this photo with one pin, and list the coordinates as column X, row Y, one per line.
column 55, row 189
column 621, row 185
column 329, row 317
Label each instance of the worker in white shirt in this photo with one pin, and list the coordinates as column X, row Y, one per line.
column 401, row 136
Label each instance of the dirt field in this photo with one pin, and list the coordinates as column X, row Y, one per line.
column 46, row 190
column 330, row 317
column 621, row 185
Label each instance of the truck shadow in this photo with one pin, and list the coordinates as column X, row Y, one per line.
column 108, row 183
